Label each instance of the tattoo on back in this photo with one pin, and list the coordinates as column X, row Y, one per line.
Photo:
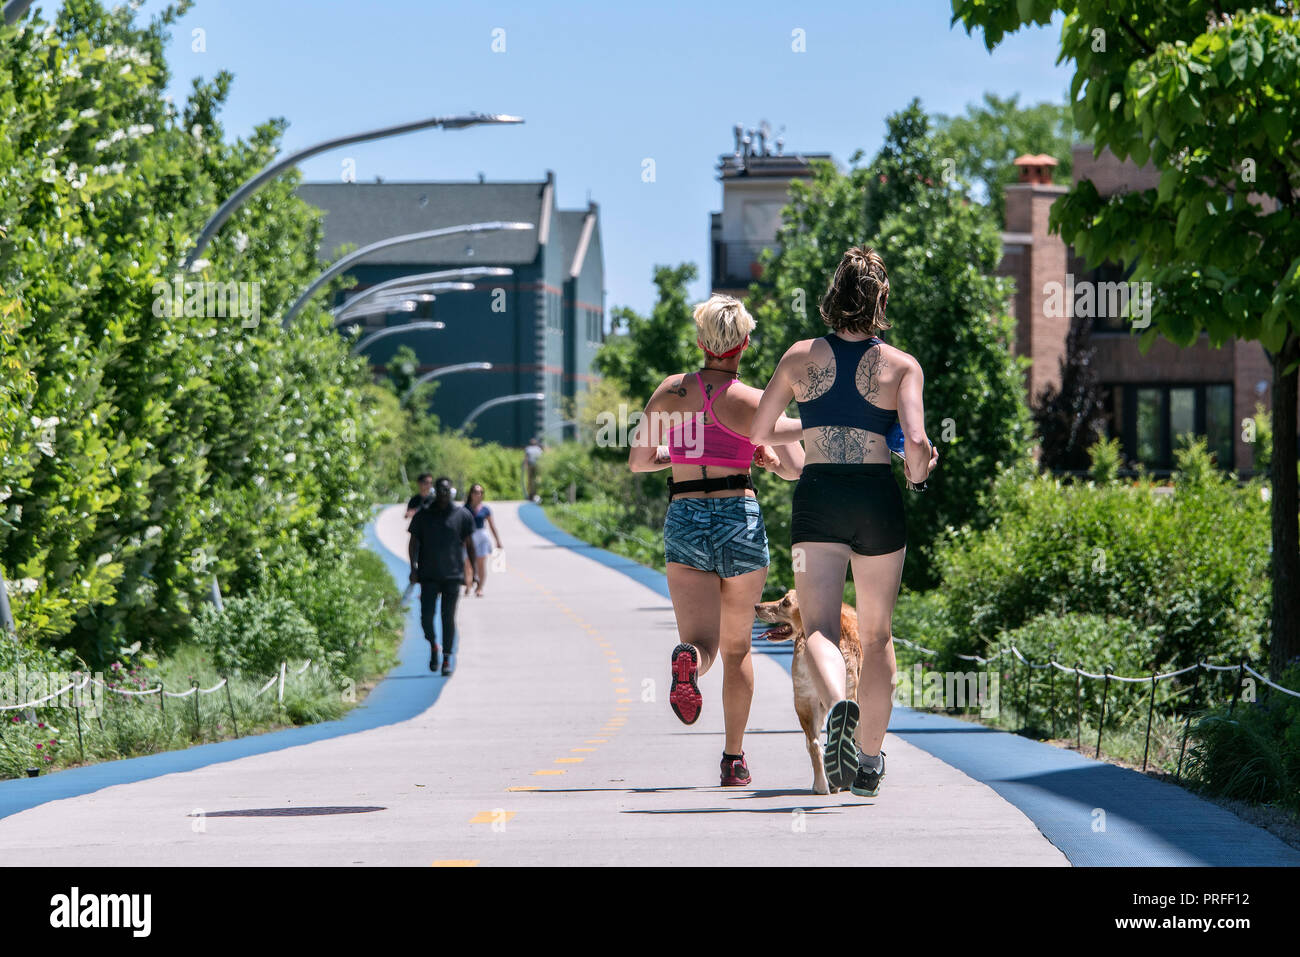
column 817, row 379
column 843, row 443
column 870, row 372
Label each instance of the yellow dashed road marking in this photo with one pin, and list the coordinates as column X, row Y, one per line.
column 491, row 817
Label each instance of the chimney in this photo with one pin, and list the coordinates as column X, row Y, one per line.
column 1036, row 169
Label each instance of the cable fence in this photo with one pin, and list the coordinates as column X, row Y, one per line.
column 81, row 681
column 1022, row 688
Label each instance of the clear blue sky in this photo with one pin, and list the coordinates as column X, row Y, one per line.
column 602, row 85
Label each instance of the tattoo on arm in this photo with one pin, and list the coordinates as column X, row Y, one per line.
column 678, row 389
column 870, row 373
column 842, row 443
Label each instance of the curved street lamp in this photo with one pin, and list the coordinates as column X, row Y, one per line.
column 394, row 330
column 467, row 273
column 417, row 293
column 442, row 371
column 344, row 262
column 241, row 195
column 15, row 9
column 501, row 400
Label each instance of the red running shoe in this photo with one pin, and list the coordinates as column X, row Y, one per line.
column 735, row 773
column 684, row 695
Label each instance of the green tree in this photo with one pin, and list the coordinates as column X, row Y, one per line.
column 643, row 350
column 983, row 142
column 1212, row 100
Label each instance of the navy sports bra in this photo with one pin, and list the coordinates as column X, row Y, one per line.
column 842, row 404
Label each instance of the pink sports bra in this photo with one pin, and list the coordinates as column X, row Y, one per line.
column 713, row 443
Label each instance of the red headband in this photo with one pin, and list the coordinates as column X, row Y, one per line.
column 727, row 354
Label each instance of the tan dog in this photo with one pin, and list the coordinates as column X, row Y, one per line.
column 784, row 614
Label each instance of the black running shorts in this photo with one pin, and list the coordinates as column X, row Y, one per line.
column 856, row 505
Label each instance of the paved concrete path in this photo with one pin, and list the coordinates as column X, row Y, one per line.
column 542, row 749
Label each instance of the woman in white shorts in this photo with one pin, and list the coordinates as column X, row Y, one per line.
column 482, row 543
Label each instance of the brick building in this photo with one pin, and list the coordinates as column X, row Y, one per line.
column 1149, row 399
column 540, row 327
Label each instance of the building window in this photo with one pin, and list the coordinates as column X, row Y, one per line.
column 1150, row 420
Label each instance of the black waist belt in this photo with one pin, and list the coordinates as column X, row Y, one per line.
column 709, row 485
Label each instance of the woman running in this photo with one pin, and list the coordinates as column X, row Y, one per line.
column 482, row 544
column 715, row 543
column 852, row 390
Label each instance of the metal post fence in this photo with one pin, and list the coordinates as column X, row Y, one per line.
column 1078, row 708
column 1191, row 705
column 1151, row 710
column 231, row 704
column 1105, row 688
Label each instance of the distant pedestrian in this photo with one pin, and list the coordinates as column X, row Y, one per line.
column 439, row 531
column 423, row 497
column 477, row 569
column 532, row 455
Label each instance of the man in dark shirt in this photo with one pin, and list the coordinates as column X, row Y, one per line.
column 424, row 496
column 439, row 531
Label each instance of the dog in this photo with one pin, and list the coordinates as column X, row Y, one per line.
column 784, row 615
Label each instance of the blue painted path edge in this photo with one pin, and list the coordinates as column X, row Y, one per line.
column 1069, row 797
column 407, row 690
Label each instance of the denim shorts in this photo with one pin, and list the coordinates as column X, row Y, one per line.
column 723, row 535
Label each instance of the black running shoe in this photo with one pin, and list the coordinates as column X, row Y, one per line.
column 434, row 651
column 867, row 782
column 841, row 750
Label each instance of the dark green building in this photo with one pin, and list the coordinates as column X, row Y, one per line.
column 539, row 327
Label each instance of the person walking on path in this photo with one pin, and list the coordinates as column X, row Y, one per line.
column 532, row 455
column 423, row 497
column 439, row 532
column 476, row 571
column 853, row 391
column 715, row 543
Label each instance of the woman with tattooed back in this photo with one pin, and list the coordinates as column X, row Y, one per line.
column 853, row 390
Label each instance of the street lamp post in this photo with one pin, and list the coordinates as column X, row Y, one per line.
column 15, row 9
column 394, row 330
column 442, row 371
column 501, row 400
column 418, row 293
column 356, row 255
column 427, row 277
column 274, row 169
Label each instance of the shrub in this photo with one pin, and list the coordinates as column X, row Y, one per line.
column 1192, row 564
column 1105, row 458
column 1252, row 754
column 255, row 634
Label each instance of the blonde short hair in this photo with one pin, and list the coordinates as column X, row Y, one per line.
column 722, row 323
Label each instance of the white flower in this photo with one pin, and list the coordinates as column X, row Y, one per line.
column 200, row 264
column 5, row 492
column 66, row 125
column 104, row 559
column 28, row 585
column 152, row 530
column 290, row 457
column 116, row 167
column 117, row 135
column 196, row 131
column 241, row 241
column 100, row 170
column 126, row 68
column 89, row 113
column 101, row 145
